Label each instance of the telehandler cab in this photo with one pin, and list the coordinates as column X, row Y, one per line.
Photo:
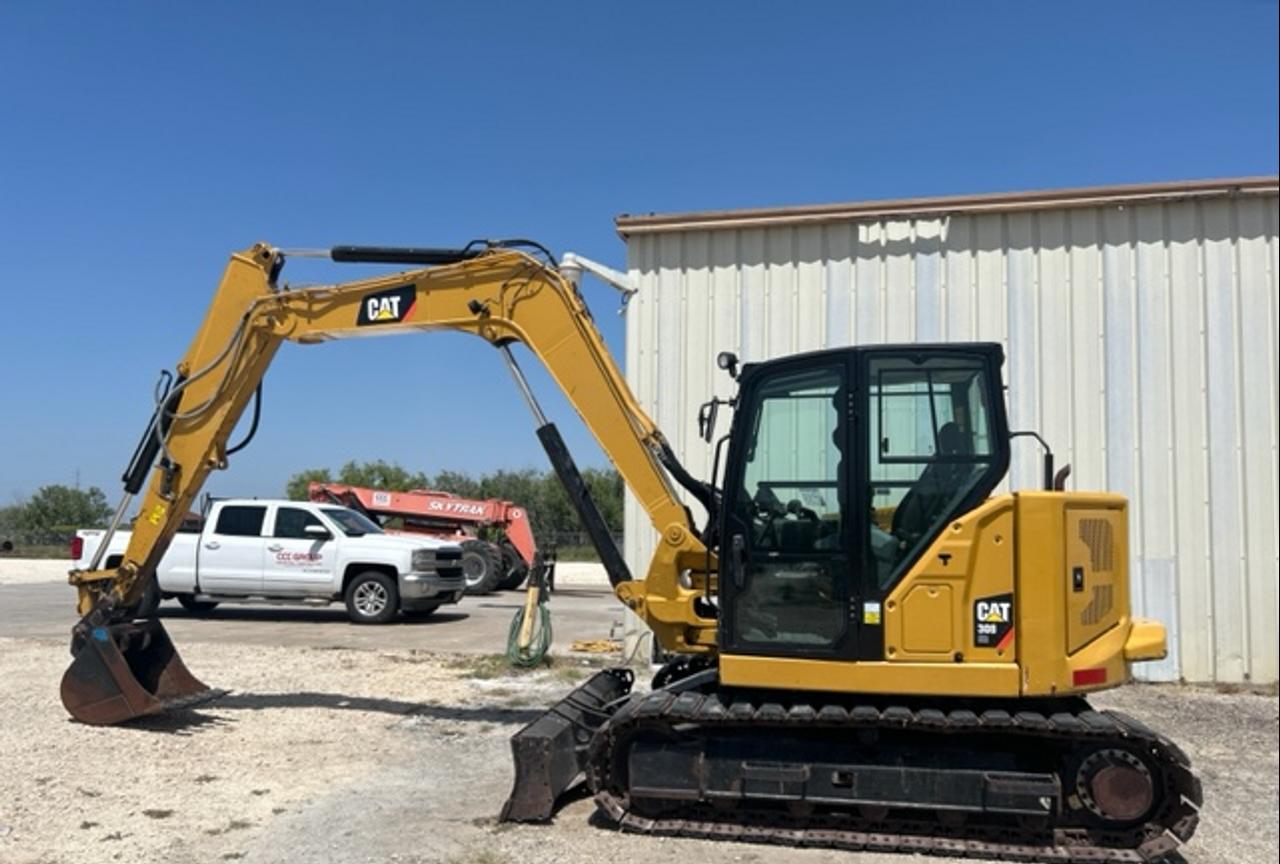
column 873, row 650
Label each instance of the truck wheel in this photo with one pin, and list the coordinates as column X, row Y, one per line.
column 514, row 567
column 481, row 566
column 196, row 607
column 372, row 598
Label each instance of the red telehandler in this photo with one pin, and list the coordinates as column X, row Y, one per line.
column 488, row 566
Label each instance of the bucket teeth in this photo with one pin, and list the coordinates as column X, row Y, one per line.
column 124, row 671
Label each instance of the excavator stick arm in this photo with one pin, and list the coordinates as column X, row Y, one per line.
column 121, row 669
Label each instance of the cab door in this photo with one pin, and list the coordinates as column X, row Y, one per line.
column 933, row 431
column 786, row 544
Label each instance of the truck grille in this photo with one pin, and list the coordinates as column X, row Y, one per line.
column 445, row 563
column 449, row 564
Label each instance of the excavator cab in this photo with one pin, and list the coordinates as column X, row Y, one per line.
column 843, row 466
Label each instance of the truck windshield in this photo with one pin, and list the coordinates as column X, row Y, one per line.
column 351, row 522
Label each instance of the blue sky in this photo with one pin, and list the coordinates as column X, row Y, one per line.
column 141, row 143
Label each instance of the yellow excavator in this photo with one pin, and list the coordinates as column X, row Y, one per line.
column 867, row 647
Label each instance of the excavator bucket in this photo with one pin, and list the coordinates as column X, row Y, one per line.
column 124, row 671
column 551, row 752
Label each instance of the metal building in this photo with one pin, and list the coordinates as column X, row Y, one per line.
column 1140, row 327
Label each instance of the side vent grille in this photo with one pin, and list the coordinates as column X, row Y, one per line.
column 1099, row 607
column 1097, row 535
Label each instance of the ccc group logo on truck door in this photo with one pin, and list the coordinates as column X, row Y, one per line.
column 388, row 306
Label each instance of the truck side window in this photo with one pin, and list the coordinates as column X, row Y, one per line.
column 240, row 521
column 291, row 523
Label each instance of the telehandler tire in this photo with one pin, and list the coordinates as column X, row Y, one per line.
column 481, row 566
column 514, row 567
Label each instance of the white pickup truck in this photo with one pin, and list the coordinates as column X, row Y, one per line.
column 261, row 551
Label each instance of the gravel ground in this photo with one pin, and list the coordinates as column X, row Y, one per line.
column 359, row 756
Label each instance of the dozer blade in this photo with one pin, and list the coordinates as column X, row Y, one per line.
column 551, row 752
column 124, row 671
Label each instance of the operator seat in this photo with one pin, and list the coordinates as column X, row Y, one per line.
column 938, row 484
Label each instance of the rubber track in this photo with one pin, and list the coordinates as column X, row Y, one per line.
column 1172, row 825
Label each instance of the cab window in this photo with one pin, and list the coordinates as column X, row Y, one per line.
column 240, row 521
column 789, row 501
column 292, row 522
column 930, row 446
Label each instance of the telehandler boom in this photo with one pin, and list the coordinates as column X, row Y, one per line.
column 870, row 649
column 487, row 565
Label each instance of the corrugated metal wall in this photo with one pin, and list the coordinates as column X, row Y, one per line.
column 1141, row 341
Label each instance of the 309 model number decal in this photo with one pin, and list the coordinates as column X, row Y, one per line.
column 993, row 621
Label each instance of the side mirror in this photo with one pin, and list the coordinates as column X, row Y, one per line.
column 318, row 532
column 707, row 419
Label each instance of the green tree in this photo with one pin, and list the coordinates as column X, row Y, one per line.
column 296, row 488
column 457, row 482
column 606, row 487
column 63, row 509
column 378, row 474
column 10, row 521
column 381, row 475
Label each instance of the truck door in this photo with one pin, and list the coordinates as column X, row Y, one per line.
column 301, row 554
column 230, row 556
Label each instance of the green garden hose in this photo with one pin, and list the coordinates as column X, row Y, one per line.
column 532, row 654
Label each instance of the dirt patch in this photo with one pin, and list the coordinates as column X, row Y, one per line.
column 569, row 669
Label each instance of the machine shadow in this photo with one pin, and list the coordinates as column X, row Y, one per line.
column 191, row 721
column 341, row 702
column 285, row 614
column 183, row 722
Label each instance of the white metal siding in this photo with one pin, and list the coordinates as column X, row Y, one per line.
column 1141, row 341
